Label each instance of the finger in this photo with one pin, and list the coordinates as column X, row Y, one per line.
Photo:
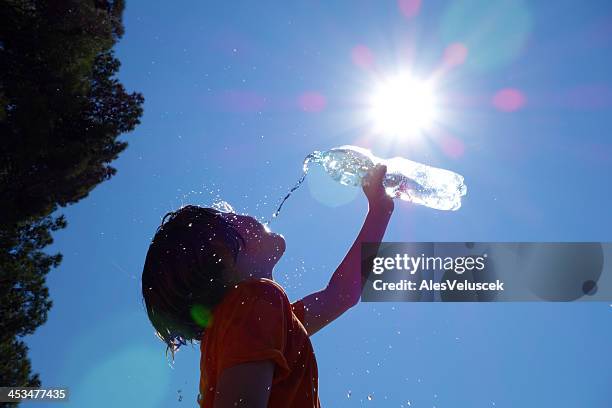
column 367, row 177
column 379, row 173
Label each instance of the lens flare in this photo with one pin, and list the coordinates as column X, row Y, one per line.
column 509, row 100
column 362, row 56
column 201, row 315
column 312, row 101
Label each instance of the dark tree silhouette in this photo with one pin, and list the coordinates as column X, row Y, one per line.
column 61, row 113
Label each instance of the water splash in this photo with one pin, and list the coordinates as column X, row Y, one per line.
column 316, row 156
column 223, row 206
column 280, row 206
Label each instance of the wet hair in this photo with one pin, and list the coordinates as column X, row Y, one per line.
column 184, row 275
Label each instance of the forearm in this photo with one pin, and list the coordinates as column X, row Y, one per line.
column 347, row 281
column 344, row 287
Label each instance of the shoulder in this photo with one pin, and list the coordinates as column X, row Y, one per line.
column 256, row 305
column 260, row 289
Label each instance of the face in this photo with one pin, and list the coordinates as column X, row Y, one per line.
column 263, row 248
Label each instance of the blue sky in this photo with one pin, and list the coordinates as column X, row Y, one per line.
column 238, row 94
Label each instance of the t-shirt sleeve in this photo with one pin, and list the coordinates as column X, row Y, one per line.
column 256, row 329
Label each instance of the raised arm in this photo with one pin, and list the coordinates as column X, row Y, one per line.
column 344, row 288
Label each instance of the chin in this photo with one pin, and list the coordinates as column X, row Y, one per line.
column 266, row 252
column 278, row 246
column 274, row 250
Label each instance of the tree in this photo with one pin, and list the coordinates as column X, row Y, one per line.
column 62, row 111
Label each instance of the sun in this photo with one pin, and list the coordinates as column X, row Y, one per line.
column 402, row 106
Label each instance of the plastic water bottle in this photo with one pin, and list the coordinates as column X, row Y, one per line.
column 405, row 179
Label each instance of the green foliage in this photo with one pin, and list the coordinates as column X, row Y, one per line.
column 62, row 110
column 15, row 350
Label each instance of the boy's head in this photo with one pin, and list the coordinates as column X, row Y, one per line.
column 196, row 255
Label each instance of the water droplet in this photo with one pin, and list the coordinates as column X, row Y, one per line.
column 223, row 206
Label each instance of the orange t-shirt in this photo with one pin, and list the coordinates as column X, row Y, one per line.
column 255, row 322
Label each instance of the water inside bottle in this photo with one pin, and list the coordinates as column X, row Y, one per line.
column 425, row 185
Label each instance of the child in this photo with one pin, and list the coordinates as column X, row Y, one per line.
column 208, row 276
